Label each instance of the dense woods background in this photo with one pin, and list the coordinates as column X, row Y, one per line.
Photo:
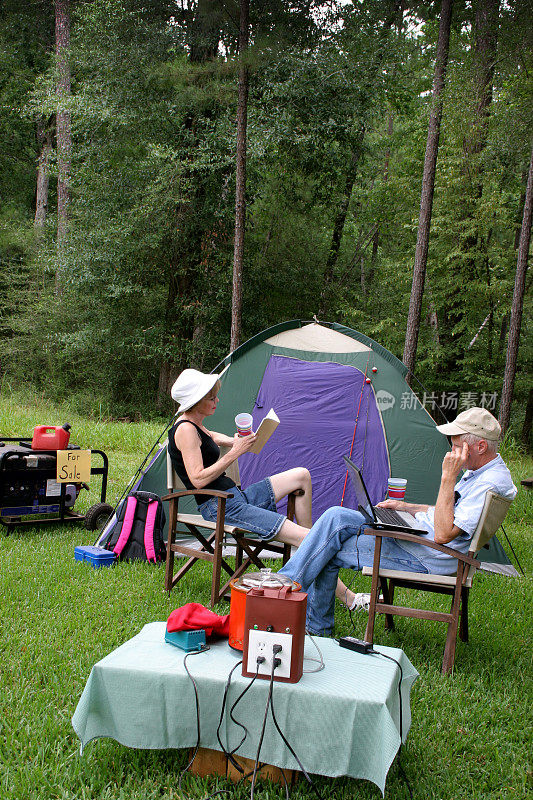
column 117, row 178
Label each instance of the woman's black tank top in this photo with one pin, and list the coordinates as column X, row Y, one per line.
column 210, row 454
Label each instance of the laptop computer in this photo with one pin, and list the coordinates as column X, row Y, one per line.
column 379, row 517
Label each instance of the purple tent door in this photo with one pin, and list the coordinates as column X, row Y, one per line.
column 318, row 404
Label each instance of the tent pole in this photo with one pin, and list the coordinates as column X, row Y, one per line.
column 355, row 427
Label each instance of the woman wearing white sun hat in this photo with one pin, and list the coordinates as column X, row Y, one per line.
column 195, row 455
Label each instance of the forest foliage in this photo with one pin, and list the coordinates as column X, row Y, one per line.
column 338, row 108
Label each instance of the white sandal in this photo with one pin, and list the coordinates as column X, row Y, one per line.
column 361, row 602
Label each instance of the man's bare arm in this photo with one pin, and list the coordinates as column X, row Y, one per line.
column 401, row 505
column 453, row 463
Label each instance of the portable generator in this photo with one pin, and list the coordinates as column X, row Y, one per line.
column 29, row 491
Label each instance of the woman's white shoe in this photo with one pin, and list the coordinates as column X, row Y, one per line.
column 360, row 602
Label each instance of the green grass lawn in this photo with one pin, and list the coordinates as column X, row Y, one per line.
column 470, row 734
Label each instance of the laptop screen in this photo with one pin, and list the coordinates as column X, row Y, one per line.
column 361, row 494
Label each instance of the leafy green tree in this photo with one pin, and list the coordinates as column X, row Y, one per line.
column 240, row 176
column 339, row 97
column 63, row 133
column 518, row 303
column 428, row 187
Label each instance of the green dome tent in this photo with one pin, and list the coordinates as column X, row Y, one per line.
column 341, row 394
column 336, row 392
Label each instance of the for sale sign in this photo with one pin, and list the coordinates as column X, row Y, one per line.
column 73, row 466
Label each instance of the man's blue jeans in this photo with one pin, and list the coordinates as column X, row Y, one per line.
column 337, row 540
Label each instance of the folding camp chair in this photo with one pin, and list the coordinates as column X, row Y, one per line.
column 458, row 586
column 212, row 535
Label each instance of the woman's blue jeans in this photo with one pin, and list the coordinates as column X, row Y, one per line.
column 337, row 541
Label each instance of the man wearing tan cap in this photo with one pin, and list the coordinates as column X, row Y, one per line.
column 335, row 539
column 474, row 435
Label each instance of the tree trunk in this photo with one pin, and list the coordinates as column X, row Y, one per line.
column 189, row 259
column 375, row 240
column 205, row 27
column 338, row 228
column 428, row 185
column 393, row 15
column 63, row 133
column 519, row 211
column 485, row 33
column 433, row 318
column 517, row 307
column 470, row 265
column 44, row 142
column 167, row 369
column 528, row 420
column 240, row 179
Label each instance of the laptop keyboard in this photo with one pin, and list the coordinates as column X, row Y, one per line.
column 387, row 515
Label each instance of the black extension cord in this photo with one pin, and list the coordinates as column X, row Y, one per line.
column 270, row 704
column 367, row 648
column 197, row 747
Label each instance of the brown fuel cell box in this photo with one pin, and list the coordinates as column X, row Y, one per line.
column 277, row 611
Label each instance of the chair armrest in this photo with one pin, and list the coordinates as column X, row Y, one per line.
column 207, row 492
column 410, row 537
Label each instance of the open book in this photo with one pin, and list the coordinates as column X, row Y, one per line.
column 265, row 430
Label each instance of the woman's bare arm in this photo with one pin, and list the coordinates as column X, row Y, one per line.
column 188, row 442
column 221, row 439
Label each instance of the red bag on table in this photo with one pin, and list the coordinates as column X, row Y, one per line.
column 193, row 617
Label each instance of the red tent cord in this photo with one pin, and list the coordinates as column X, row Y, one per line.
column 355, row 428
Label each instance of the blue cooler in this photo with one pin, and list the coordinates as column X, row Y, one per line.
column 97, row 556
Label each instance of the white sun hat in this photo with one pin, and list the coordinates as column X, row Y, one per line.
column 190, row 386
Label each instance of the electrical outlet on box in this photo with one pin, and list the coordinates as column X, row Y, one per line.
column 260, row 643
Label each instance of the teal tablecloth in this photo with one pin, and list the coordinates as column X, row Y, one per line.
column 343, row 720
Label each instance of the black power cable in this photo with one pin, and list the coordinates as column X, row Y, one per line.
column 400, row 766
column 197, row 701
column 197, row 747
column 226, row 753
column 302, row 768
column 230, row 753
column 233, row 707
column 262, row 735
column 390, row 658
column 270, row 704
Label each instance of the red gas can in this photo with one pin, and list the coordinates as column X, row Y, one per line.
column 50, row 437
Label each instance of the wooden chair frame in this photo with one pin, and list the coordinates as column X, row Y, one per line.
column 457, row 586
column 247, row 547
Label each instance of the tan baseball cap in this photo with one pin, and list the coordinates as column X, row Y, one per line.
column 478, row 421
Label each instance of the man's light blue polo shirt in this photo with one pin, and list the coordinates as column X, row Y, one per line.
column 471, row 488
